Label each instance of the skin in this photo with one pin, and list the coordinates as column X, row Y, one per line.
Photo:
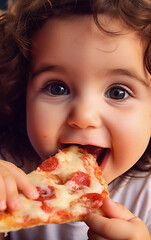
column 91, row 69
column 90, row 66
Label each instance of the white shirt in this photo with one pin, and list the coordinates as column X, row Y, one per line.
column 132, row 192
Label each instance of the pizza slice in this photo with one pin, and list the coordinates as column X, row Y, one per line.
column 70, row 185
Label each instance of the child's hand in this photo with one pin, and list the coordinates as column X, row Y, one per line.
column 13, row 179
column 119, row 223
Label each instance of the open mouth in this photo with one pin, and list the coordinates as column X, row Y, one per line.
column 101, row 154
column 98, row 152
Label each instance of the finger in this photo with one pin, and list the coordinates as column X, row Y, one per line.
column 9, row 193
column 115, row 210
column 25, row 185
column 22, row 180
column 109, row 228
column 115, row 225
column 13, row 201
column 2, row 194
column 118, row 224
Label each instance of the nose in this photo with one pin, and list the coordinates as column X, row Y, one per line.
column 84, row 114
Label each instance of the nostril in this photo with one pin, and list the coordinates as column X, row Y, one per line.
column 84, row 116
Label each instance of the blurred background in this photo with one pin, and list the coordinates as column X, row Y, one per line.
column 3, row 6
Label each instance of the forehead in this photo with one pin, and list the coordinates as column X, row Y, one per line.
column 85, row 24
column 79, row 26
column 62, row 40
column 82, row 31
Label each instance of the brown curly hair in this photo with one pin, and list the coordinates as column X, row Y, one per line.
column 16, row 32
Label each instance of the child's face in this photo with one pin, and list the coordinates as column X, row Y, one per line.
column 91, row 89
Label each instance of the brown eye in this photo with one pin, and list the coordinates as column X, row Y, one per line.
column 117, row 93
column 57, row 88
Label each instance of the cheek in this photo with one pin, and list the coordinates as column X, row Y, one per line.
column 132, row 139
column 125, row 153
column 42, row 128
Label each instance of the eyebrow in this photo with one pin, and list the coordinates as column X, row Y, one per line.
column 129, row 73
column 118, row 71
column 46, row 68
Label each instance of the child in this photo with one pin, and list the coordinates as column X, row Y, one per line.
column 78, row 72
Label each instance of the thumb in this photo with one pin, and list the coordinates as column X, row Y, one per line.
column 112, row 209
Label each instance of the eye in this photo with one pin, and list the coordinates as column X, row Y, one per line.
column 57, row 88
column 117, row 93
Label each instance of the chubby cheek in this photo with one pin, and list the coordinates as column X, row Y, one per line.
column 42, row 128
column 129, row 142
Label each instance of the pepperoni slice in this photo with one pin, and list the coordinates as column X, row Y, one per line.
column 93, row 200
column 49, row 164
column 80, row 179
column 92, row 197
column 46, row 194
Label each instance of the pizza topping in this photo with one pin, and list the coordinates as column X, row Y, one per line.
column 49, row 164
column 98, row 152
column 57, row 180
column 46, row 194
column 28, row 220
column 80, row 180
column 92, row 199
column 70, row 185
column 46, row 208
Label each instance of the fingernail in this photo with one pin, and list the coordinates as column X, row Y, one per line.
column 35, row 193
column 3, row 205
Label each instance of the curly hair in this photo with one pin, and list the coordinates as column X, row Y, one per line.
column 16, row 31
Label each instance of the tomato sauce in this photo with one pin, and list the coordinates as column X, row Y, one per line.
column 45, row 207
column 44, row 195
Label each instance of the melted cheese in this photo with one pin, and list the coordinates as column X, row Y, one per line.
column 69, row 162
